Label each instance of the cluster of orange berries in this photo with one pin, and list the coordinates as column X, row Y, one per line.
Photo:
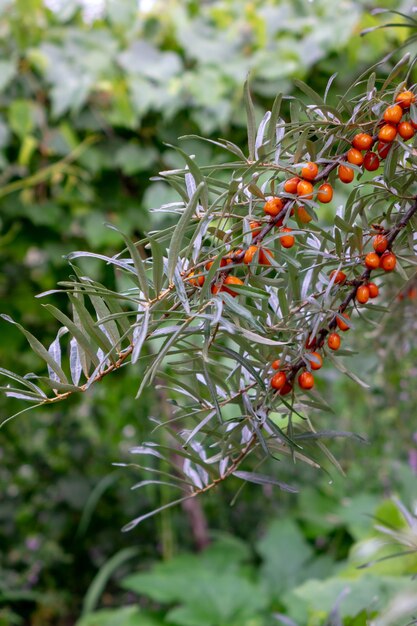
column 391, row 125
column 281, row 383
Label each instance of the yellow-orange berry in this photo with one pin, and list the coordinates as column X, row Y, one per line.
column 372, row 260
column 362, row 294
column 306, row 380
column 388, row 261
column 362, row 141
column 305, row 189
column 303, row 215
column 325, row 193
column 265, row 256
column 231, row 280
column 250, row 253
column 345, row 173
column 340, row 321
column 310, row 171
column 393, row 114
column 276, row 364
column 406, row 130
column 273, row 206
column 380, row 243
column 256, row 228
column 334, row 341
column 290, row 185
column 354, row 156
column 287, row 241
column 316, row 362
column 387, row 133
column 197, row 280
column 405, row 99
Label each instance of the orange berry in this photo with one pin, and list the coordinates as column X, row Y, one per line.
column 278, row 380
column 305, row 189
column 231, row 280
column 197, row 281
column 303, row 215
column 340, row 277
column 286, row 389
column 413, row 124
column 387, row 133
column 306, row 380
column 371, row 161
column 325, row 193
column 362, row 141
column 372, row 260
column 341, row 323
column 388, row 261
column 354, row 156
column 290, row 185
column 316, row 362
column 393, row 114
column 273, row 206
column 265, row 256
column 256, row 228
column 412, row 293
column 334, row 341
column 383, row 149
column 310, row 171
column 287, row 241
column 380, row 243
column 362, row 294
column 276, row 364
column 345, row 173
column 405, row 99
column 373, row 290
column 406, row 130
column 250, row 253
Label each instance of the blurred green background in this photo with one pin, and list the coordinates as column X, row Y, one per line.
column 91, row 96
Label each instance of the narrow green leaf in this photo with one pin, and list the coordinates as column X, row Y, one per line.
column 178, row 234
column 273, row 120
column 261, row 479
column 251, row 122
column 137, row 261
column 244, row 362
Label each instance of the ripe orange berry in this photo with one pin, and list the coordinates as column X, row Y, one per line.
column 413, row 124
column 287, row 241
column 223, row 263
column 310, row 171
column 273, row 206
column 393, row 114
column 197, row 281
column 334, row 341
column 303, row 215
column 372, row 260
column 362, row 294
column 406, row 130
column 340, row 277
column 373, row 290
column 286, row 389
column 354, row 156
column 341, row 323
column 380, row 243
column 306, row 380
column 305, row 189
column 405, row 99
column 278, row 380
column 388, row 261
column 362, row 141
column 325, row 193
column 290, row 185
column 276, row 364
column 387, row 133
column 371, row 161
column 256, row 228
column 316, row 362
column 345, row 173
column 250, row 253
column 265, row 256
column 231, row 280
